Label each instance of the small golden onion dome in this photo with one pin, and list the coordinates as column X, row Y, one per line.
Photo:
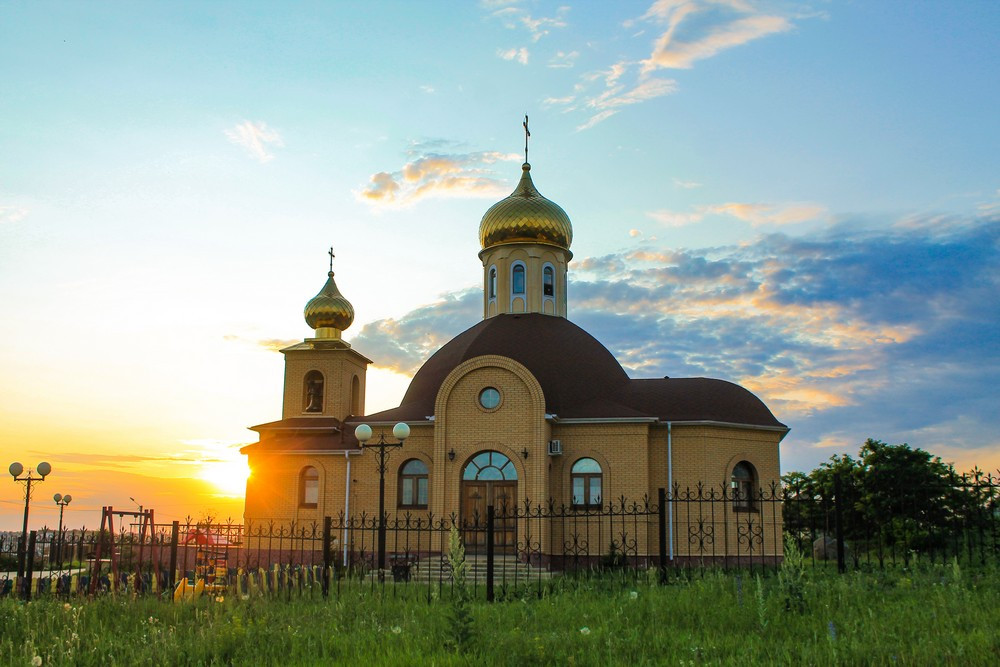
column 329, row 309
column 525, row 217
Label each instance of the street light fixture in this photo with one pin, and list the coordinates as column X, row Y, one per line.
column 62, row 501
column 15, row 469
column 364, row 433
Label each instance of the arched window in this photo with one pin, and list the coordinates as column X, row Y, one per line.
column 517, row 279
column 355, row 396
column 490, row 466
column 309, row 487
column 744, row 485
column 548, row 281
column 586, row 478
column 413, row 484
column 492, row 283
column 312, row 394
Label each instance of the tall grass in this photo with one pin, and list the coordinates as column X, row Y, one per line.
column 932, row 615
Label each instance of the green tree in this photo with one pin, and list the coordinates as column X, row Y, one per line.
column 891, row 497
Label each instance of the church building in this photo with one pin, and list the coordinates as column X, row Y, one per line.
column 523, row 405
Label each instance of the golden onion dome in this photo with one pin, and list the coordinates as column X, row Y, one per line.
column 329, row 309
column 525, row 217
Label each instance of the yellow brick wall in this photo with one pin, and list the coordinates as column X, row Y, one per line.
column 338, row 366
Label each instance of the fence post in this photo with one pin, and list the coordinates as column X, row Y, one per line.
column 662, row 519
column 838, row 525
column 327, row 555
column 175, row 530
column 490, row 515
column 29, row 567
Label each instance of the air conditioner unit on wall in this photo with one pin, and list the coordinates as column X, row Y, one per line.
column 555, row 447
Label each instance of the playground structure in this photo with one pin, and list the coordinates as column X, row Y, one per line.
column 211, row 571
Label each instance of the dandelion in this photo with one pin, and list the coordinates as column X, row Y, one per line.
column 67, row 606
column 245, row 596
column 634, row 595
column 396, row 629
column 36, row 661
column 220, row 598
column 585, row 630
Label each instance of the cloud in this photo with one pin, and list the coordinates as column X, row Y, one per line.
column 520, row 55
column 427, row 89
column 687, row 185
column 435, row 174
column 515, row 17
column 754, row 213
column 844, row 334
column 563, row 60
column 273, row 344
column 723, row 30
column 12, row 214
column 256, row 139
column 690, row 30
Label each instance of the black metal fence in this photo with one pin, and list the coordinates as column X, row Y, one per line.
column 515, row 549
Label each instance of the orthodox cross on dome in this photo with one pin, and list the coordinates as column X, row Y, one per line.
column 330, row 253
column 526, row 135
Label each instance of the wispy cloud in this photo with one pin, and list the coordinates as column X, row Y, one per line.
column 889, row 334
column 689, row 31
column 429, row 173
column 537, row 27
column 563, row 59
column 699, row 29
column 273, row 344
column 687, row 185
column 256, row 138
column 755, row 213
column 12, row 214
column 520, row 55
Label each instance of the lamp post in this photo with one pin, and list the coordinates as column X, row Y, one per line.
column 364, row 433
column 62, row 501
column 15, row 470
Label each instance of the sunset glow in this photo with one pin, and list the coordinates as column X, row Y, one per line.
column 804, row 198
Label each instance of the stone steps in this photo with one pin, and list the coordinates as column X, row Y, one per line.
column 506, row 569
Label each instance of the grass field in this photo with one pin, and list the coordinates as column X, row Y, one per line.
column 930, row 615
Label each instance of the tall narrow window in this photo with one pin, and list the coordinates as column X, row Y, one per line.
column 493, row 282
column 308, row 487
column 548, row 282
column 744, row 486
column 586, row 479
column 312, row 395
column 413, row 484
column 517, row 281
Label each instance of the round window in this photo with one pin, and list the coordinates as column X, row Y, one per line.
column 489, row 398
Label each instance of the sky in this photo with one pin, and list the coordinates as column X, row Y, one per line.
column 803, row 198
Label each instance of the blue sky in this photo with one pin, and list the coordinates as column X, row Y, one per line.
column 800, row 197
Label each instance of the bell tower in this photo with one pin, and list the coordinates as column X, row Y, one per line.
column 324, row 376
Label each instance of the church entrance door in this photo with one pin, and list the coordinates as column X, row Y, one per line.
column 489, row 478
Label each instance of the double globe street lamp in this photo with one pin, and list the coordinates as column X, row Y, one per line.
column 43, row 469
column 62, row 501
column 363, row 433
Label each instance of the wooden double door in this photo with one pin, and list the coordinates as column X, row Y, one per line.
column 477, row 495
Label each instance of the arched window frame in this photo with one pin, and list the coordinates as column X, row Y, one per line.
column 413, row 484
column 523, row 294
column 491, row 284
column 307, row 379
column 489, row 460
column 548, row 270
column 583, row 477
column 309, row 487
column 743, row 484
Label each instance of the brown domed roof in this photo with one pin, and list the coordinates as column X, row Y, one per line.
column 579, row 377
